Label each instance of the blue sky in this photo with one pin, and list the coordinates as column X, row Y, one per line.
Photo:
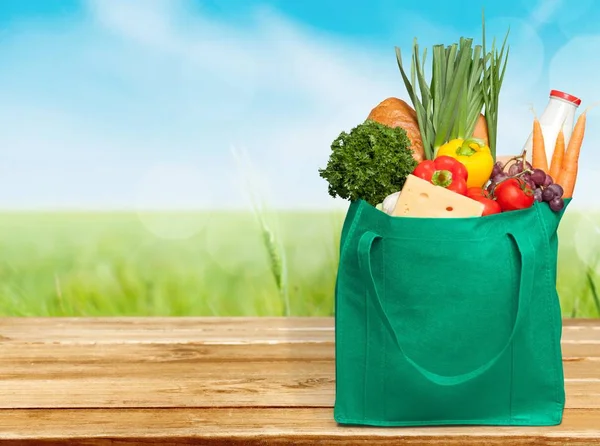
column 138, row 103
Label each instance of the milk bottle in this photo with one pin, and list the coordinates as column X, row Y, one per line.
column 560, row 112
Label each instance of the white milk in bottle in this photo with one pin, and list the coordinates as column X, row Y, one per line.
column 560, row 111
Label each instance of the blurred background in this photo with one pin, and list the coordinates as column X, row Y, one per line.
column 160, row 157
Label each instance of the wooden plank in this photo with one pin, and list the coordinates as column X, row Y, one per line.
column 43, row 353
column 12, row 355
column 135, row 382
column 580, row 350
column 581, row 322
column 588, row 335
column 166, row 330
column 211, row 322
column 582, row 368
column 265, row 427
column 55, row 328
column 119, row 380
column 204, row 330
column 178, row 323
column 112, row 362
column 582, row 394
column 184, row 391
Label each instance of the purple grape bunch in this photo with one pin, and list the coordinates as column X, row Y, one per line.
column 544, row 188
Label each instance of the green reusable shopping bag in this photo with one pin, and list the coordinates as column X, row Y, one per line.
column 448, row 321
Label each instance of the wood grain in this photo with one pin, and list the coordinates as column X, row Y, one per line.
column 270, row 426
column 234, row 331
column 134, row 380
column 250, row 381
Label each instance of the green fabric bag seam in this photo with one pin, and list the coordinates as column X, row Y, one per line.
column 550, row 286
column 384, row 339
column 367, row 345
column 338, row 349
column 367, row 349
column 553, row 420
column 512, row 266
column 560, row 379
column 338, row 317
column 558, row 332
column 456, row 239
column 512, row 373
column 351, row 230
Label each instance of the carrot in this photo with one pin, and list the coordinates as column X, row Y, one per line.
column 557, row 156
column 568, row 173
column 538, row 151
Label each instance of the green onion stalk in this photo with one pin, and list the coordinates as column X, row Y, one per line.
column 449, row 106
column 495, row 67
column 464, row 79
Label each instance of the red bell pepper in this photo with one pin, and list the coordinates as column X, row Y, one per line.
column 444, row 171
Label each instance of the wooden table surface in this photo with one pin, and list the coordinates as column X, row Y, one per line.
column 250, row 381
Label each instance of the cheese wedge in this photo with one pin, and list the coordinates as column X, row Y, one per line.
column 420, row 198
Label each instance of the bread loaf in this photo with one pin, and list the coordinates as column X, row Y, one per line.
column 394, row 112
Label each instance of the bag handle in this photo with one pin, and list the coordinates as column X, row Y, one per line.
column 527, row 253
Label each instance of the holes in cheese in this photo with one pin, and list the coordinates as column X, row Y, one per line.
column 420, row 198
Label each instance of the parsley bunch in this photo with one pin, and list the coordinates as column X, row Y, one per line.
column 369, row 163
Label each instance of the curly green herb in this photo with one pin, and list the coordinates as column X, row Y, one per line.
column 369, row 163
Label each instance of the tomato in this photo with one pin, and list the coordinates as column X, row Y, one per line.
column 457, row 168
column 513, row 194
column 490, row 206
column 473, row 192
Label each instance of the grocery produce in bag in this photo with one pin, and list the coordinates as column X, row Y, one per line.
column 421, row 198
column 394, row 112
column 559, row 115
column 474, row 154
column 455, row 114
column 444, row 171
column 369, row 163
column 439, row 338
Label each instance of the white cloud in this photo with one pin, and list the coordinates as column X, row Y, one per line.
column 315, row 86
column 544, row 11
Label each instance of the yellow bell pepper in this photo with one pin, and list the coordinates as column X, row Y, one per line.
column 474, row 154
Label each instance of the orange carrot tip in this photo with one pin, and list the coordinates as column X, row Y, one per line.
column 568, row 174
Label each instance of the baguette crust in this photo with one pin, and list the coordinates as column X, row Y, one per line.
column 394, row 112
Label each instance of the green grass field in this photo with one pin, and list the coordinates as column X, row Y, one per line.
column 164, row 264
